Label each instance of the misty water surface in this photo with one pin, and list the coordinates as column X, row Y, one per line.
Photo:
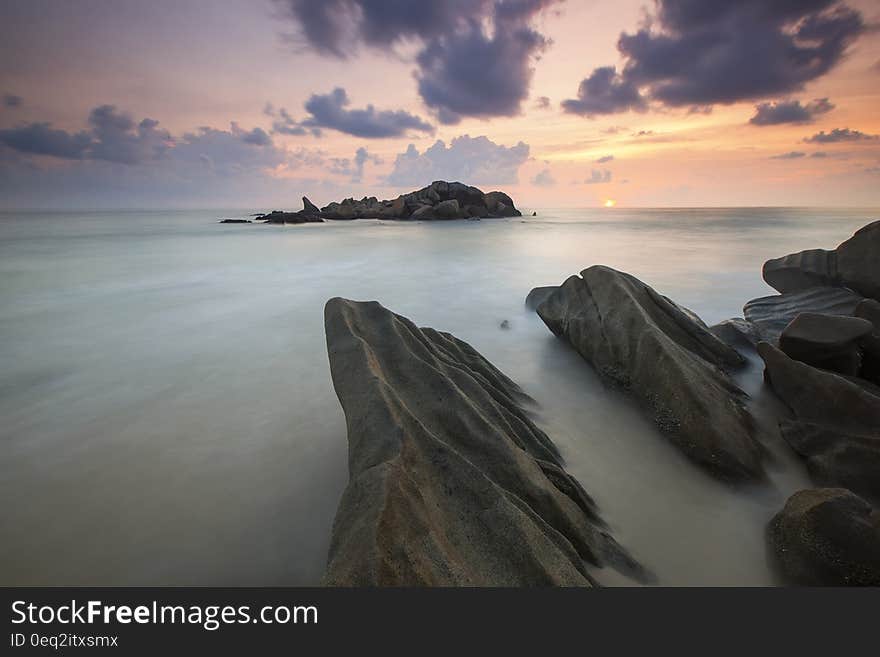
column 166, row 404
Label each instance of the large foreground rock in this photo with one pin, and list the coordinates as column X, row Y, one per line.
column 853, row 264
column 827, row 536
column 450, row 481
column 667, row 357
column 870, row 309
column 770, row 315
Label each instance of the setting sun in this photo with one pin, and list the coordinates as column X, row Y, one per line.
column 610, row 203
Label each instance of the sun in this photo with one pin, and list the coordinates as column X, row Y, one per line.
column 610, row 203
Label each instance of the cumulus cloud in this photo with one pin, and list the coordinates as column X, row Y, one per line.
column 598, row 176
column 471, row 160
column 838, row 135
column 354, row 168
column 330, row 111
column 706, row 52
column 474, row 58
column 544, row 179
column 42, row 139
column 284, row 124
column 605, row 92
column 604, row 159
column 11, row 101
column 789, row 111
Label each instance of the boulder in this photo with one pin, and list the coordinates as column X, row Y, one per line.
column 827, row 341
column 450, row 481
column 870, row 309
column 736, row 332
column 422, row 212
column 447, row 210
column 537, row 296
column 310, row 207
column 827, row 537
column 820, row 396
column 837, row 457
column 501, row 205
column 852, row 264
column 770, row 315
column 669, row 360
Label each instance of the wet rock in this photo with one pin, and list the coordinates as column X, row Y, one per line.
column 236, row 221
column 308, row 215
column 770, row 315
column 451, row 483
column 837, row 457
column 538, row 295
column 667, row 357
column 830, row 342
column 736, row 332
column 827, row 537
column 853, row 264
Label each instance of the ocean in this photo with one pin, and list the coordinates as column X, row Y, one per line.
column 168, row 416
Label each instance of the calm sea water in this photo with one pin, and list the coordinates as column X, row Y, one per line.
column 166, row 404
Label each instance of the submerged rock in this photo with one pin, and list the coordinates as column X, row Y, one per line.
column 853, row 264
column 770, row 315
column 830, row 342
column 667, row 357
column 827, row 537
column 450, row 481
column 236, row 221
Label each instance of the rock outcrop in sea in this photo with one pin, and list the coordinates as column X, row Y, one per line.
column 450, row 481
column 439, row 200
column 666, row 356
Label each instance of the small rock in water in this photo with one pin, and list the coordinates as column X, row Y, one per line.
column 236, row 221
column 505, row 324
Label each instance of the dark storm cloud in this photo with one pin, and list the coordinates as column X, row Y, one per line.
column 475, row 160
column 475, row 56
column 789, row 111
column 605, row 92
column 42, row 139
column 11, row 101
column 838, row 135
column 705, row 52
column 329, row 111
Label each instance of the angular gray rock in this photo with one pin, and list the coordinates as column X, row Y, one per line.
column 870, row 309
column 538, row 294
column 853, row 264
column 308, row 215
column 736, row 332
column 830, row 342
column 827, row 537
column 770, row 315
column 450, row 481
column 837, row 457
column 669, row 360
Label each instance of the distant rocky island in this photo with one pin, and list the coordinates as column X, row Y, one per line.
column 441, row 200
column 452, row 483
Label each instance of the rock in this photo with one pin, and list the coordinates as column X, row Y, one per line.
column 451, row 483
column 448, row 210
column 819, row 396
column 827, row 537
column 668, row 358
column 799, row 271
column 870, row 309
column 501, row 205
column 852, row 264
column 505, row 324
column 736, row 332
column 423, row 212
column 858, row 261
column 476, row 211
column 310, row 207
column 236, row 221
column 830, row 342
column 534, row 214
column 837, row 458
column 537, row 296
column 770, row 315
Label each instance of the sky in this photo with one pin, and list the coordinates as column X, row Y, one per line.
column 254, row 103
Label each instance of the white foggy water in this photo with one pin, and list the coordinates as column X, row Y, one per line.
column 168, row 416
